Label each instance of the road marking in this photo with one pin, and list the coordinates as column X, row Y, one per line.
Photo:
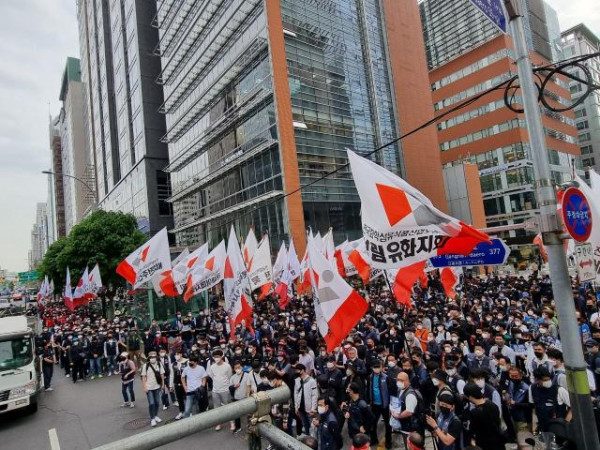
column 54, row 445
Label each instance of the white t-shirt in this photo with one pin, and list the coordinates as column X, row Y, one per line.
column 221, row 375
column 193, row 377
column 151, row 382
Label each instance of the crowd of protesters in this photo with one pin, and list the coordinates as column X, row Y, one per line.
column 473, row 371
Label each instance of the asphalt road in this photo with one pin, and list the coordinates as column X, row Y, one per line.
column 88, row 414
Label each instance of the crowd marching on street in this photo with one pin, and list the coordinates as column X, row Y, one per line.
column 468, row 361
column 470, row 372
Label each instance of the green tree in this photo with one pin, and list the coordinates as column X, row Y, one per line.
column 104, row 237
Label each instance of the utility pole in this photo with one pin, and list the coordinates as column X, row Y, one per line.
column 583, row 423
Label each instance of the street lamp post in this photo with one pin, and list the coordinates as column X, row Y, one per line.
column 89, row 188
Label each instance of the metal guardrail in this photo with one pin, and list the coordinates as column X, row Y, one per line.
column 186, row 427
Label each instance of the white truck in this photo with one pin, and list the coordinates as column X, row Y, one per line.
column 19, row 367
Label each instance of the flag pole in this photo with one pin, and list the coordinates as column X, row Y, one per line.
column 403, row 329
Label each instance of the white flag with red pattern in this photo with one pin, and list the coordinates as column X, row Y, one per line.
column 208, row 274
column 249, row 247
column 338, row 307
column 164, row 283
column 95, row 281
column 400, row 225
column 148, row 260
column 68, row 293
column 260, row 269
column 281, row 263
column 238, row 302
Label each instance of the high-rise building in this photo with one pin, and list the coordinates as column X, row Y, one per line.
column 39, row 236
column 264, row 97
column 124, row 126
column 79, row 195
column 56, row 202
column 577, row 41
column 467, row 55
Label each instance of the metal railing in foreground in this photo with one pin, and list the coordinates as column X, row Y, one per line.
column 258, row 405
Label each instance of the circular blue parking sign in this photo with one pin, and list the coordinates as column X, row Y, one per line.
column 577, row 214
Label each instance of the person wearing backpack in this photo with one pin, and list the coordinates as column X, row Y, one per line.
column 357, row 413
column 440, row 381
column 153, row 382
column 329, row 432
column 447, row 428
column 550, row 400
column 484, row 420
column 407, row 408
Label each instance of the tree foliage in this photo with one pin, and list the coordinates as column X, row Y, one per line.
column 104, row 237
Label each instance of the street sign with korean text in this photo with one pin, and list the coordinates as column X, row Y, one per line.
column 584, row 260
column 576, row 214
column 28, row 277
column 493, row 10
column 484, row 254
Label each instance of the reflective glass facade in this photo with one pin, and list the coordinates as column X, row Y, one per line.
column 224, row 127
column 124, row 126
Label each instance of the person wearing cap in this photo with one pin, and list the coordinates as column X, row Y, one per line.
column 179, row 365
column 153, row 383
column 306, row 394
column 593, row 358
column 447, row 427
column 127, row 370
column 550, row 401
column 485, row 426
column 439, row 378
column 378, row 398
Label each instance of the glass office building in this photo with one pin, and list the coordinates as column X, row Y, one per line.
column 264, row 96
column 468, row 55
column 124, row 126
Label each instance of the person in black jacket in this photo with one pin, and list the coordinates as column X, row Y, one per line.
column 78, row 355
column 378, row 398
column 329, row 430
column 357, row 413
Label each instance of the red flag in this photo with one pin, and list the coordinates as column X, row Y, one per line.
column 362, row 266
column 403, row 281
column 450, row 277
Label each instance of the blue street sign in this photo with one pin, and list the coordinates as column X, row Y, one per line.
column 484, row 254
column 493, row 10
column 577, row 214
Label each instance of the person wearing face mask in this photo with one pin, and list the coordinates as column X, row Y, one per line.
column 237, row 389
column 220, row 373
column 394, row 341
column 110, row 354
column 455, row 380
column 479, row 378
column 153, row 382
column 335, row 379
column 549, row 400
column 392, row 370
column 360, row 368
column 447, row 428
column 178, row 366
column 353, row 377
column 321, row 361
column 540, row 359
column 306, row 359
column 78, row 355
column 517, row 400
column 254, row 380
column 168, row 391
column 410, row 340
column 378, row 398
column 406, row 409
column 478, row 359
column 485, row 425
column 505, row 350
column 306, row 393
column 127, row 370
column 328, row 428
column 439, row 378
column 193, row 380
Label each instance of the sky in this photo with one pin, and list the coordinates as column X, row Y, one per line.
column 36, row 37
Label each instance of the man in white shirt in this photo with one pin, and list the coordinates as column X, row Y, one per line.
column 153, row 382
column 193, row 380
column 220, row 373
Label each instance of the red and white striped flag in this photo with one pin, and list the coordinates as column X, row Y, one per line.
column 400, row 225
column 68, row 293
column 260, row 269
column 95, row 281
column 164, row 283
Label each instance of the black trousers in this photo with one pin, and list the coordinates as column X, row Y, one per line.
column 47, row 371
column 78, row 370
column 180, row 395
column 379, row 411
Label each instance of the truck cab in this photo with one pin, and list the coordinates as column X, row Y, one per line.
column 19, row 367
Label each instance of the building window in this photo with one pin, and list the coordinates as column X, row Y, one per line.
column 582, row 125
column 588, row 162
column 163, row 189
column 587, row 149
column 580, row 113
